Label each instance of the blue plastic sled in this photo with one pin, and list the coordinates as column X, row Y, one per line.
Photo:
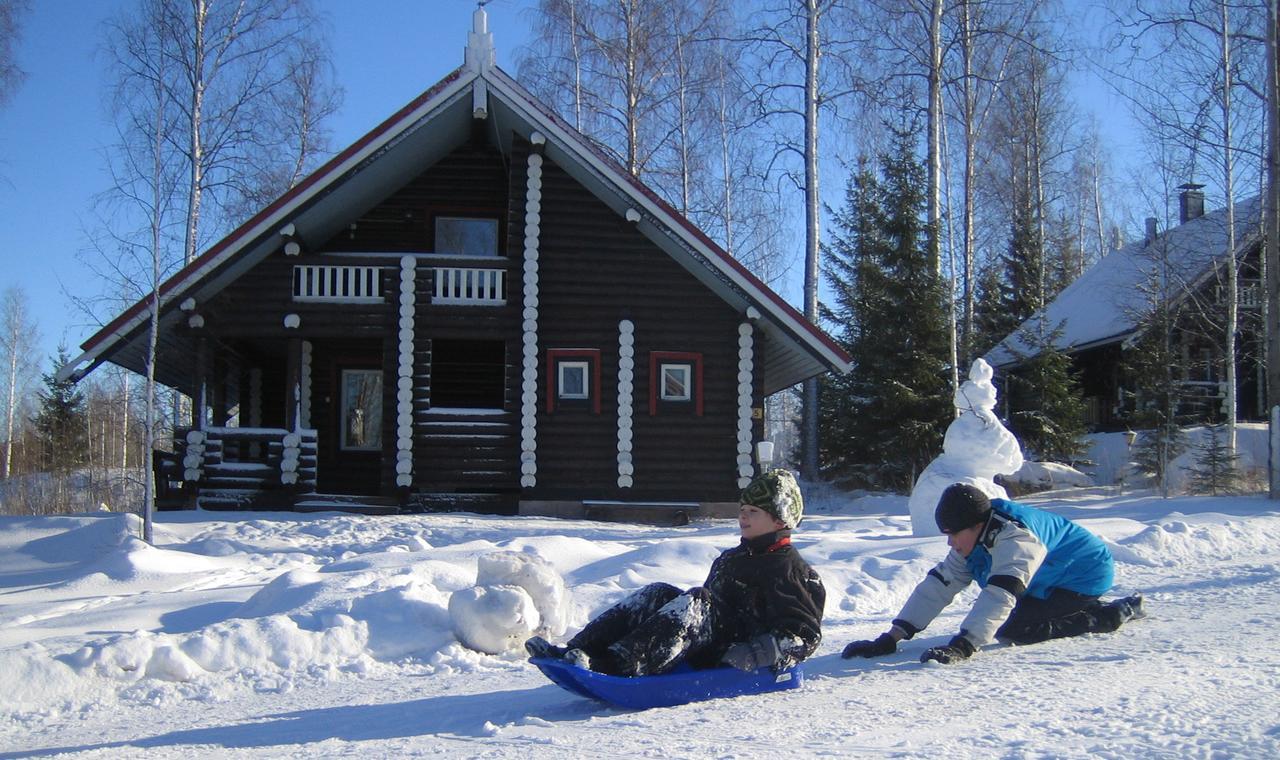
column 680, row 687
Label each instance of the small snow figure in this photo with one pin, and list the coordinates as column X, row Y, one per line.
column 1040, row 574
column 760, row 606
column 976, row 448
column 515, row 596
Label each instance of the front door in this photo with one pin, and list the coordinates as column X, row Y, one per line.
column 348, row 412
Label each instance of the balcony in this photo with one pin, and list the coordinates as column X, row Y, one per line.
column 467, row 286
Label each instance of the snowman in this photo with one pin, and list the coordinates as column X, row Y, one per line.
column 976, row 448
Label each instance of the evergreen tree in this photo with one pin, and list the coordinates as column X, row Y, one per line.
column 1152, row 361
column 992, row 323
column 1011, row 288
column 60, row 421
column 1023, row 287
column 1047, row 405
column 883, row 422
column 1216, row 468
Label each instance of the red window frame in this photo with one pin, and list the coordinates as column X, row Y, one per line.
column 656, row 358
column 555, row 356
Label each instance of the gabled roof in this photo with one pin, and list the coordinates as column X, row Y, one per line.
column 423, row 132
column 1107, row 303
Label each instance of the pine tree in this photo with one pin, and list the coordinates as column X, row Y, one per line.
column 884, row 421
column 1047, row 405
column 1216, row 468
column 60, row 421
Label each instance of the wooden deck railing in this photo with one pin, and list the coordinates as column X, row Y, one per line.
column 244, row 465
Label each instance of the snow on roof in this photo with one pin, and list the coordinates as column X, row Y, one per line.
column 1107, row 302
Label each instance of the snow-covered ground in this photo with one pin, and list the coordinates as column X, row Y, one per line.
column 282, row 635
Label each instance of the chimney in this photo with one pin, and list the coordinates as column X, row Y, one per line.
column 1151, row 230
column 1190, row 202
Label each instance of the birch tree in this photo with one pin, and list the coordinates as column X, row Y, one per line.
column 1271, row 96
column 1189, row 62
column 794, row 93
column 18, row 339
column 11, row 74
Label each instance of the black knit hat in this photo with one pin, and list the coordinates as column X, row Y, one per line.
column 961, row 506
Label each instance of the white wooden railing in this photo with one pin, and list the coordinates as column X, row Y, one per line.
column 337, row 284
column 467, row 286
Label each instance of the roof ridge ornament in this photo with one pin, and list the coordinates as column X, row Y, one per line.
column 479, row 56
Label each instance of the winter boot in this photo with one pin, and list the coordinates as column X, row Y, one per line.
column 578, row 659
column 540, row 647
column 1130, row 607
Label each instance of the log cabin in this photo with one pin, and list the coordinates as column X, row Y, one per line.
column 1099, row 318
column 472, row 307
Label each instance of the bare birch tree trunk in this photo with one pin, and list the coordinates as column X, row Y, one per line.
column 1272, row 233
column 1233, row 292
column 935, row 133
column 812, row 205
column 17, row 338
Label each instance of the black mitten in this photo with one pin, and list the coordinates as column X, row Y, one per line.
column 956, row 650
column 884, row 644
column 760, row 652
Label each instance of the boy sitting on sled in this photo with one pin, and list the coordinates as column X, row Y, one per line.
column 760, row 606
column 1041, row 576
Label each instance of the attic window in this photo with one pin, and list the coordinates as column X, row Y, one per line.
column 576, row 379
column 675, row 380
column 466, row 236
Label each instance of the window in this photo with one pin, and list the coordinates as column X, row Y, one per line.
column 463, row 236
column 573, row 376
column 675, row 379
column 468, row 374
column 572, row 382
column 361, row 409
column 675, row 382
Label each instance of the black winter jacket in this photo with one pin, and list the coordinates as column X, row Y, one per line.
column 763, row 585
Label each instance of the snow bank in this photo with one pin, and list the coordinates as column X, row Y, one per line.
column 238, row 613
column 516, row 596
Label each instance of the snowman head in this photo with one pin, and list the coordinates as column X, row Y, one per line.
column 977, row 393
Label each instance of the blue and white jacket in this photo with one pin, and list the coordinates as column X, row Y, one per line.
column 1021, row 550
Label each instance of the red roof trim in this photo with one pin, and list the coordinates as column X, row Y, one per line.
column 307, row 183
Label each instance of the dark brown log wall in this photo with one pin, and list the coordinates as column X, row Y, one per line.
column 595, row 270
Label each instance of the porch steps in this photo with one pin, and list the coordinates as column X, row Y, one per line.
column 333, row 502
column 482, row 503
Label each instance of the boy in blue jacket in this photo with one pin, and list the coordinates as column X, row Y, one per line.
column 1041, row 576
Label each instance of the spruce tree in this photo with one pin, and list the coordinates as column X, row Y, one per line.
column 1047, row 405
column 60, row 421
column 1216, row 470
column 1153, row 362
column 992, row 323
column 884, row 421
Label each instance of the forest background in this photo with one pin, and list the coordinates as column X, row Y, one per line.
column 948, row 145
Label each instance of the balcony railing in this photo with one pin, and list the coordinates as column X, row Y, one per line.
column 470, row 287
column 337, row 283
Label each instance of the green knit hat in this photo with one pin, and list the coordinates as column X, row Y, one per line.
column 777, row 493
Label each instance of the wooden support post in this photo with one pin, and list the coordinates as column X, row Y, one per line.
column 200, row 402
column 293, row 384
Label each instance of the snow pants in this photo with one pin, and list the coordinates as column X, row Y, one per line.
column 649, row 632
column 1064, row 613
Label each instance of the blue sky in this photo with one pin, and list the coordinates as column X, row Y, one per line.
column 53, row 131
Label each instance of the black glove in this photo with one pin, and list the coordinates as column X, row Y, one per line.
column 884, row 644
column 959, row 648
column 760, row 652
